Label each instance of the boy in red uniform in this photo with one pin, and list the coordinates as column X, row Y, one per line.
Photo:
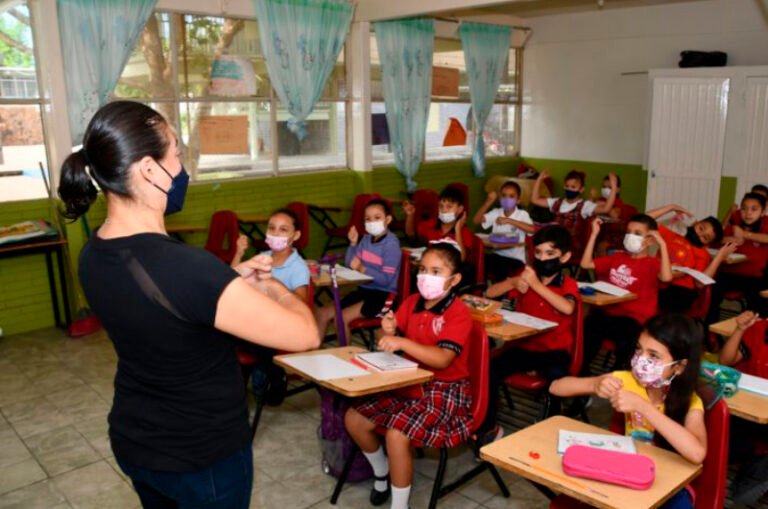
column 633, row 270
column 450, row 220
column 747, row 350
column 749, row 231
column 543, row 291
column 689, row 251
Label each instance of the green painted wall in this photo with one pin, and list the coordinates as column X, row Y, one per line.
column 23, row 281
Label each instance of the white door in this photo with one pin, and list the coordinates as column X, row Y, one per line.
column 756, row 130
column 686, row 142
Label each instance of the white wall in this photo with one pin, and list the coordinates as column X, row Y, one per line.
column 578, row 106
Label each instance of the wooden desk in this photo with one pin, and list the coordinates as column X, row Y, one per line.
column 249, row 222
column 47, row 246
column 324, row 280
column 724, row 328
column 604, row 299
column 359, row 385
column 750, row 406
column 514, row 452
column 512, row 331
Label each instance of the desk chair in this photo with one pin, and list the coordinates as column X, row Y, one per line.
column 368, row 326
column 478, row 360
column 248, row 359
column 539, row 384
column 301, row 210
column 710, row 485
column 426, row 202
column 339, row 233
column 222, row 235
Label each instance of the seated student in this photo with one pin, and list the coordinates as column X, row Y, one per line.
column 689, row 251
column 658, row 396
column 450, row 220
column 612, row 233
column 750, row 234
column 635, row 271
column 510, row 220
column 432, row 328
column 546, row 292
column 747, row 350
column 733, row 217
column 572, row 212
column 288, row 267
column 377, row 255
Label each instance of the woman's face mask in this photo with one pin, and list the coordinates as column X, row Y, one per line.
column 177, row 192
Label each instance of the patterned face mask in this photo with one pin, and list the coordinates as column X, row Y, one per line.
column 650, row 372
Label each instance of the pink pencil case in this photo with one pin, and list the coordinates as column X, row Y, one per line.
column 631, row 470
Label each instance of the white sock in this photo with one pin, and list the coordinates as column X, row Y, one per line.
column 400, row 497
column 380, row 464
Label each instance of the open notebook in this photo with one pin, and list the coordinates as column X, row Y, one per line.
column 612, row 442
column 754, row 384
column 384, row 361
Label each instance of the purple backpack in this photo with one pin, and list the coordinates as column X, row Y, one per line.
column 335, row 443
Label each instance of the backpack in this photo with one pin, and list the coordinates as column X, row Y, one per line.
column 335, row 443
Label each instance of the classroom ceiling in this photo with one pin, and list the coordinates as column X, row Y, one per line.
column 536, row 8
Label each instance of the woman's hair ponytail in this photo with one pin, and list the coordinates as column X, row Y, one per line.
column 76, row 188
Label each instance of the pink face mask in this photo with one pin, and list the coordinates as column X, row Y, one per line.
column 276, row 243
column 430, row 287
column 650, row 372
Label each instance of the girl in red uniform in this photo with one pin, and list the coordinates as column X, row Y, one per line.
column 432, row 328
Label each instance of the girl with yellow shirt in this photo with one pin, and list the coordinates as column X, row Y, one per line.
column 658, row 396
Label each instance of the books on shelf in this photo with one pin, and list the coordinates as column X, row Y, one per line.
column 385, row 361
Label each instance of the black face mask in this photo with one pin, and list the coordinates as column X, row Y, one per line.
column 177, row 192
column 547, row 268
column 690, row 236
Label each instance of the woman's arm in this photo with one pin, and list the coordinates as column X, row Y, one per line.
column 301, row 292
column 271, row 316
column 432, row 356
column 688, row 439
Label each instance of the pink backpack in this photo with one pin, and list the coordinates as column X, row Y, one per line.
column 631, row 470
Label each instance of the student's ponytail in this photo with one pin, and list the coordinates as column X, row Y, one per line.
column 76, row 188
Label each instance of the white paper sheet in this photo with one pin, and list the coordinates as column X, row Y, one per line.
column 695, row 274
column 416, row 252
column 602, row 286
column 753, row 384
column 351, row 275
column 526, row 320
column 385, row 361
column 617, row 443
column 732, row 258
column 325, row 366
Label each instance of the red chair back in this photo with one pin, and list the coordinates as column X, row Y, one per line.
column 357, row 219
column 700, row 306
column 577, row 347
column 222, row 235
column 426, row 203
column 464, row 190
column 404, row 278
column 301, row 210
column 477, row 258
column 478, row 362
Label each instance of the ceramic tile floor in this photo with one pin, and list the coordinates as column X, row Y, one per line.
column 55, row 393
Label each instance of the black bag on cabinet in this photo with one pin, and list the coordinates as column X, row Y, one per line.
column 703, row 59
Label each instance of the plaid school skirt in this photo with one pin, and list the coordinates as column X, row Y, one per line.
column 440, row 417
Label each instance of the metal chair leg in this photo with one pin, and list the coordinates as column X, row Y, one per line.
column 439, row 478
column 499, row 481
column 343, row 477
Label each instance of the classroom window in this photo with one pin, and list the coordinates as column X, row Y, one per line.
column 450, row 127
column 207, row 75
column 23, row 157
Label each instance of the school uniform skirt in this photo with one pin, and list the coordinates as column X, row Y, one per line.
column 438, row 417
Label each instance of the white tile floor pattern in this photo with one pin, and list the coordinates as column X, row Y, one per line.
column 55, row 393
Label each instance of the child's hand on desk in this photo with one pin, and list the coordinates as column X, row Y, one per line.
column 626, row 402
column 356, row 264
column 353, row 236
column 746, row 320
column 606, row 386
column 255, row 269
column 389, row 323
column 390, row 344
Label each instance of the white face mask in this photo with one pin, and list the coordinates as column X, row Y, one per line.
column 605, row 192
column 375, row 228
column 447, row 217
column 633, row 243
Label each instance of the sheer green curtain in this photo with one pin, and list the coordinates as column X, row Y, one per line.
column 486, row 50
column 301, row 40
column 405, row 50
column 97, row 38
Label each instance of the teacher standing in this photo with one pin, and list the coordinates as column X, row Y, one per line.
column 179, row 419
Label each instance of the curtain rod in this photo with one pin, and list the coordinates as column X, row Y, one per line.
column 456, row 21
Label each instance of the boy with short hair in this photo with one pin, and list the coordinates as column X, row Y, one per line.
column 633, row 270
column 509, row 220
column 450, row 222
column 689, row 251
column 542, row 290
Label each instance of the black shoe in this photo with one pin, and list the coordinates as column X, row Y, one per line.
column 381, row 497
